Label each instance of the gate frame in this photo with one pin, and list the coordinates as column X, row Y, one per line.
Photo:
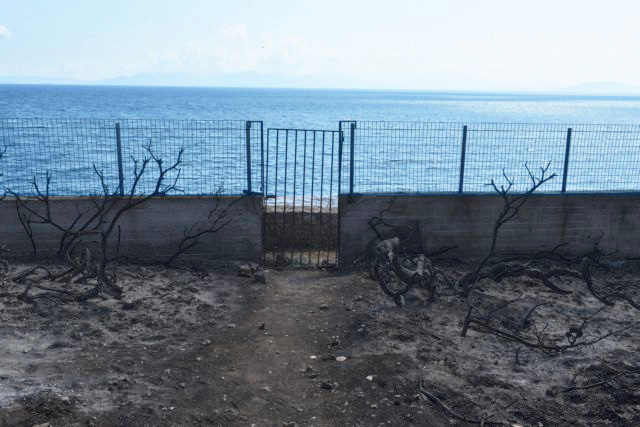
column 275, row 133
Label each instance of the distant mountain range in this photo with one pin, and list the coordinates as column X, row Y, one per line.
column 240, row 79
column 273, row 80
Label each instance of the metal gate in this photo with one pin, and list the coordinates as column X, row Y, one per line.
column 302, row 175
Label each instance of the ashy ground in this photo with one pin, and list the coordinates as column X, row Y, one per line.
column 308, row 348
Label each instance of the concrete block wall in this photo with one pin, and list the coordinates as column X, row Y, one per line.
column 430, row 222
column 152, row 231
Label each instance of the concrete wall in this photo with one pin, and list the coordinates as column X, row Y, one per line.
column 151, row 231
column 429, row 222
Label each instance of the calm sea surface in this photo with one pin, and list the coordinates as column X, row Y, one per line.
column 309, row 108
column 421, row 157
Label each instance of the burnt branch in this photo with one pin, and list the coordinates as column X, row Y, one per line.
column 512, row 203
column 605, row 298
column 484, row 421
column 86, row 242
column 588, row 386
column 575, row 336
column 217, row 219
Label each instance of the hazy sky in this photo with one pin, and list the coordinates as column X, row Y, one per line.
column 446, row 44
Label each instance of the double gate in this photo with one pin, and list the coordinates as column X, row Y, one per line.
column 302, row 178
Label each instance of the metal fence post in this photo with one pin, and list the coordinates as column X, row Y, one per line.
column 351, row 160
column 262, row 164
column 340, row 143
column 566, row 160
column 248, row 143
column 462, row 157
column 120, row 171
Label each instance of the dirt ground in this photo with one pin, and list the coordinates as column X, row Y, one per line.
column 308, row 348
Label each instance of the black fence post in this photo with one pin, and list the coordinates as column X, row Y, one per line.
column 340, row 143
column 120, row 171
column 339, row 222
column 351, row 160
column 567, row 150
column 463, row 154
column 262, row 165
column 248, row 143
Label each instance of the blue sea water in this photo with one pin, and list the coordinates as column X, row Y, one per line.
column 310, row 108
column 414, row 157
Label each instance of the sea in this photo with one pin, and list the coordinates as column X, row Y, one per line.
column 406, row 141
column 310, row 108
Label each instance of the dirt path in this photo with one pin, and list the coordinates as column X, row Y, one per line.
column 286, row 372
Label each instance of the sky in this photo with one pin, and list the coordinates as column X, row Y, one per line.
column 394, row 44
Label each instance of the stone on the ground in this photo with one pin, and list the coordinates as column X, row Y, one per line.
column 260, row 276
column 129, row 304
column 244, row 270
column 327, row 385
column 340, row 359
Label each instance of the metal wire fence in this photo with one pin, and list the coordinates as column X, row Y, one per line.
column 363, row 157
column 426, row 157
column 217, row 154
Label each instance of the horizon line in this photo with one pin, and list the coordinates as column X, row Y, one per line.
column 542, row 92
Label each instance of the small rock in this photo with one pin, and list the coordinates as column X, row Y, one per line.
column 244, row 270
column 327, row 385
column 183, row 385
column 341, row 359
column 369, row 377
column 206, row 342
column 313, row 357
column 260, row 277
column 374, row 406
column 231, row 325
column 324, row 307
column 261, row 327
column 129, row 304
